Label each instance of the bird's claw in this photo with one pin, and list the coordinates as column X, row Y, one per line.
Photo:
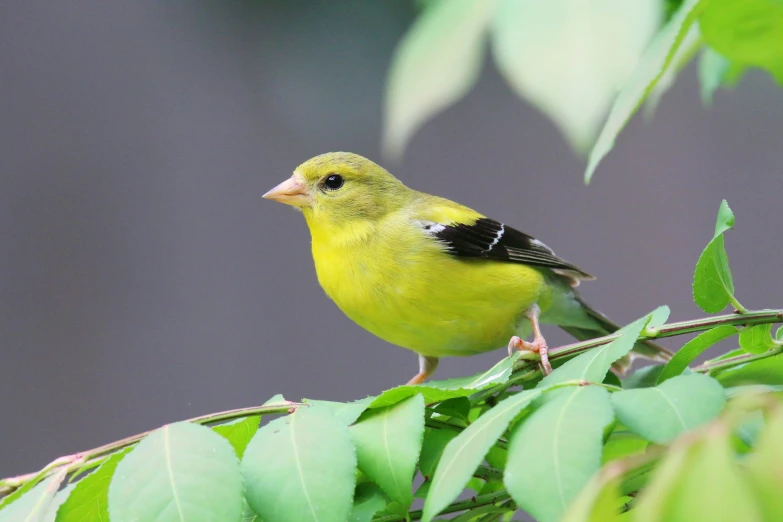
column 537, row 346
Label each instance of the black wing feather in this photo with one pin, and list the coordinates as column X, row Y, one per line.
column 490, row 239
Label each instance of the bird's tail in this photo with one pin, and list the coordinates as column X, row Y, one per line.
column 604, row 326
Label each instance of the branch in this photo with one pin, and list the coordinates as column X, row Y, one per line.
column 481, row 500
column 749, row 318
column 87, row 459
column 524, row 371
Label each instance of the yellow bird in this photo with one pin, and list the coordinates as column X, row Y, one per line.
column 431, row 275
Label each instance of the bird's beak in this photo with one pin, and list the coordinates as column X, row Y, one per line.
column 291, row 192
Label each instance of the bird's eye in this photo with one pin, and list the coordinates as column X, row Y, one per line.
column 333, row 181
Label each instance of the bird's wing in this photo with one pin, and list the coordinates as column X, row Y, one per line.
column 466, row 233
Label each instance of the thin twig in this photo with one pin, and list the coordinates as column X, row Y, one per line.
column 78, row 460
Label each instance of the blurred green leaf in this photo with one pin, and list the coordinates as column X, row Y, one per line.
column 757, row 338
column 680, row 404
column 716, row 71
column 599, row 501
column 554, row 452
column 33, row 505
column 435, row 441
column 436, row 63
column 750, row 428
column 438, row 391
column 347, row 412
column 622, row 444
column 248, row 515
column 569, row 59
column 693, row 348
column 763, row 371
column 195, row 472
column 90, row 499
column 652, row 65
column 593, row 364
column 747, row 32
column 713, row 286
column 239, row 432
column 664, row 483
column 682, row 57
column 764, row 467
column 465, row 452
column 367, row 501
column 387, row 446
column 301, row 468
column 709, row 488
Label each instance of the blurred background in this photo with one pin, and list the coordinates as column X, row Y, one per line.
column 144, row 281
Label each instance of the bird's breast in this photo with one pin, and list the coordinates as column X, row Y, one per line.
column 418, row 297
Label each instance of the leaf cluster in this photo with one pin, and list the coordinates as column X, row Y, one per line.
column 589, row 66
column 576, row 445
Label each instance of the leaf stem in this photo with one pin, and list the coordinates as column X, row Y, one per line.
column 481, row 500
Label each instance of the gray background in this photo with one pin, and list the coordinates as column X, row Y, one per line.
column 143, row 280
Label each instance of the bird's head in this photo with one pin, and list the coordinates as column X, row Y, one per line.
column 340, row 189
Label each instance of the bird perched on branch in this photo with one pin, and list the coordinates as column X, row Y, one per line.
column 431, row 275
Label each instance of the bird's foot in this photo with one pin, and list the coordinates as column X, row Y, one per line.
column 537, row 346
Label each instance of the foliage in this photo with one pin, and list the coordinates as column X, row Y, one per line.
column 587, row 65
column 683, row 443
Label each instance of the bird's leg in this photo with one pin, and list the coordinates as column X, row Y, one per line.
column 539, row 343
column 427, row 367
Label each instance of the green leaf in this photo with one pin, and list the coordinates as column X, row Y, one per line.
column 458, row 407
column 644, row 377
column 276, row 399
column 725, row 220
column 367, row 501
column 248, row 515
column 757, row 339
column 747, row 32
column 652, row 65
column 598, row 502
column 347, row 412
column 34, row 504
column 90, row 499
column 435, row 441
column 763, row 371
column 682, row 57
column 301, row 468
column 664, row 483
column 680, row 404
column 59, row 499
column 713, row 287
column 693, row 348
column 239, row 432
column 438, row 391
column 436, row 63
column 716, row 71
column 570, row 58
column 764, row 467
column 194, row 473
column 622, row 444
column 387, row 446
column 464, row 454
column 710, row 487
column 592, row 365
column 555, row 451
